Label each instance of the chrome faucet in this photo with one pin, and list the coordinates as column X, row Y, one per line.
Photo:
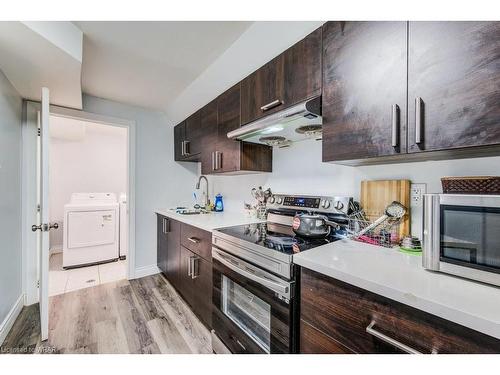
column 205, row 203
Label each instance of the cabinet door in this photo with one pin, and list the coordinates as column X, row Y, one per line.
column 173, row 252
column 161, row 243
column 262, row 92
column 185, row 282
column 202, row 290
column 364, row 79
column 209, row 128
column 303, row 69
column 229, row 119
column 454, row 69
column 179, row 138
column 194, row 135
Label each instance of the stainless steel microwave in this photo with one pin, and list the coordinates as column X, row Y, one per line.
column 461, row 236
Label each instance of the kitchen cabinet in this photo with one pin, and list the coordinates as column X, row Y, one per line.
column 288, row 79
column 168, row 237
column 233, row 156
column 302, row 69
column 262, row 92
column 339, row 317
column 364, row 90
column 209, row 124
column 184, row 257
column 179, row 141
column 453, row 85
column 188, row 139
column 161, row 238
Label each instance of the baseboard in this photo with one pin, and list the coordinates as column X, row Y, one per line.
column 55, row 250
column 146, row 271
column 11, row 317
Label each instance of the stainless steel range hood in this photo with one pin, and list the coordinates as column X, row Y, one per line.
column 297, row 123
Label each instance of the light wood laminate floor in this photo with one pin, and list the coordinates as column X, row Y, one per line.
column 138, row 316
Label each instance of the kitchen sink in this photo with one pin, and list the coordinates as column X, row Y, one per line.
column 192, row 212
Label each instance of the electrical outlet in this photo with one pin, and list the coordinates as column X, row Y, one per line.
column 417, row 192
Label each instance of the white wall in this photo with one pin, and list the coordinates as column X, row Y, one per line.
column 90, row 159
column 298, row 169
column 10, row 197
column 160, row 181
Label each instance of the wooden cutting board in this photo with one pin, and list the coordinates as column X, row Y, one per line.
column 377, row 195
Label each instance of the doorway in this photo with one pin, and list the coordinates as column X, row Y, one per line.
column 78, row 130
column 88, row 202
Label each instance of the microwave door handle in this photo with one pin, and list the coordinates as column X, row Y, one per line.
column 283, row 290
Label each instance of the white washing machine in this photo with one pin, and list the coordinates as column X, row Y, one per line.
column 91, row 229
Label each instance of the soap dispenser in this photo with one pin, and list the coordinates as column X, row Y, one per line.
column 219, row 205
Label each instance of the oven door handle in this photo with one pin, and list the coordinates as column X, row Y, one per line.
column 234, row 264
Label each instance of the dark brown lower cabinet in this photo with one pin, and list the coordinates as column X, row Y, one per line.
column 189, row 270
column 340, row 318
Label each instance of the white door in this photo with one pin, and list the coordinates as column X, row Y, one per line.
column 43, row 226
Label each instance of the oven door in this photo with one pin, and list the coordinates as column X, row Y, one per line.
column 253, row 309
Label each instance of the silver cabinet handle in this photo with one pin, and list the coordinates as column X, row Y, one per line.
column 389, row 340
column 213, row 161
column 218, row 160
column 189, row 267
column 194, row 240
column 418, row 120
column 271, row 105
column 183, row 148
column 166, row 225
column 186, row 148
column 195, row 269
column 395, row 125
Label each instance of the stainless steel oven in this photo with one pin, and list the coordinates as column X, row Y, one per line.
column 254, row 311
column 462, row 236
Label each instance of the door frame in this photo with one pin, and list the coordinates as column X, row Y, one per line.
column 30, row 278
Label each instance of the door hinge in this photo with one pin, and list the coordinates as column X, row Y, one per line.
column 39, row 131
column 38, row 283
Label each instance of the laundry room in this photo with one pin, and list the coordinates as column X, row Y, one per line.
column 88, row 203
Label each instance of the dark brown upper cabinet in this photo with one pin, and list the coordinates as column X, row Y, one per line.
column 188, row 139
column 262, row 92
column 453, row 85
column 179, row 141
column 364, row 90
column 209, row 125
column 303, row 69
column 289, row 78
column 232, row 156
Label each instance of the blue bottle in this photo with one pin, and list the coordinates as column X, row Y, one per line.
column 219, row 205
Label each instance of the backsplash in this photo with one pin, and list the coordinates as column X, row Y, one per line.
column 298, row 169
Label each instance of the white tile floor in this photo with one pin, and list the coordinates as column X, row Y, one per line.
column 63, row 281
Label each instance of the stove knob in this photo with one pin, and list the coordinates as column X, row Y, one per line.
column 339, row 205
column 272, row 199
column 279, row 200
column 326, row 203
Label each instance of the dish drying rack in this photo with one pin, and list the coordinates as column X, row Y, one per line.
column 385, row 234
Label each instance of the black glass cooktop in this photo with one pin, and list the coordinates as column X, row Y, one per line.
column 276, row 236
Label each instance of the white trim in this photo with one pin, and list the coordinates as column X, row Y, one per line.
column 11, row 317
column 146, row 271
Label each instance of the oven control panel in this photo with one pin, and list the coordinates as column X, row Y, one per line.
column 313, row 203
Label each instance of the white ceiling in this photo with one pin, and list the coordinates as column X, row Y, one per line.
column 43, row 54
column 150, row 63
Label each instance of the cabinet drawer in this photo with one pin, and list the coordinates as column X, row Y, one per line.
column 313, row 341
column 197, row 240
column 346, row 313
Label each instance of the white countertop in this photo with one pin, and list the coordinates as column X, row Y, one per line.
column 211, row 221
column 401, row 277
